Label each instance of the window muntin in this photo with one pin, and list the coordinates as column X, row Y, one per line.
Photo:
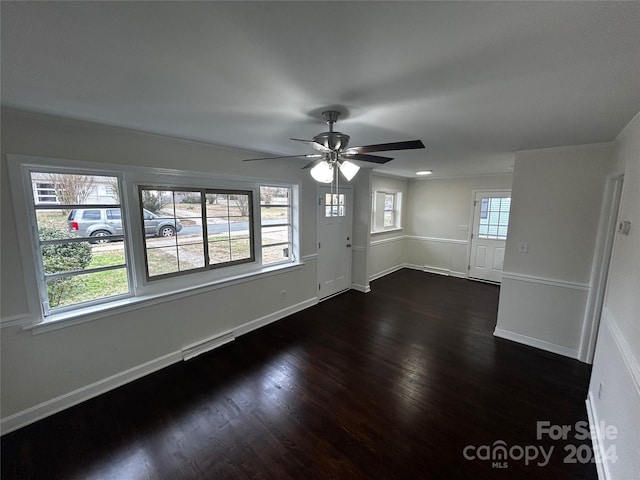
column 76, row 266
column 187, row 230
column 276, row 224
column 494, row 218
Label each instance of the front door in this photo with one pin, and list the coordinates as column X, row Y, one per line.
column 334, row 240
column 489, row 234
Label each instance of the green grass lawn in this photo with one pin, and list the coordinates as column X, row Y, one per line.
column 93, row 286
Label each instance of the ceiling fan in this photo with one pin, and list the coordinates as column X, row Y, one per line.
column 334, row 152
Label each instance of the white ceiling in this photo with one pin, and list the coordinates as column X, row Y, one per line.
column 474, row 80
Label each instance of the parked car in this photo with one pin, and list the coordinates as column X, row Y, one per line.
column 104, row 222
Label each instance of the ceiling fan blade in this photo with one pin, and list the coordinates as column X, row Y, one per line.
column 366, row 158
column 308, row 155
column 385, row 147
column 313, row 143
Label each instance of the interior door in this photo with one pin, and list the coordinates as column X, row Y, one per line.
column 334, row 240
column 489, row 234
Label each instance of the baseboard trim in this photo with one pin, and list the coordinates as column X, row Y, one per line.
column 204, row 346
column 57, row 404
column 361, row 288
column 413, row 266
column 423, row 268
column 598, row 448
column 427, row 269
column 273, row 317
column 536, row 343
column 453, row 273
column 385, row 272
column 67, row 400
column 438, row 271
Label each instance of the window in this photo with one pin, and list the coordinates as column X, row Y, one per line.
column 117, row 233
column 494, row 217
column 386, row 211
column 389, row 215
column 276, row 226
column 45, row 193
column 334, row 205
column 77, row 267
column 190, row 230
column 114, row 214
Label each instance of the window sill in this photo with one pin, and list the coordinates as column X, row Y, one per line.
column 95, row 312
column 389, row 230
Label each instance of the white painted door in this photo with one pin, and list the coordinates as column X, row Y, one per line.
column 489, row 234
column 334, row 240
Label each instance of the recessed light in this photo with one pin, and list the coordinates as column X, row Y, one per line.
column 424, row 172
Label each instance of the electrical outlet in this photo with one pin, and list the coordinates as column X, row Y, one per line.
column 523, row 247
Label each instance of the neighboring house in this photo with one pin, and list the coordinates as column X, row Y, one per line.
column 46, row 190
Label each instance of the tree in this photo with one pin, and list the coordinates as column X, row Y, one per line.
column 151, row 201
column 71, row 189
column 242, row 202
column 112, row 188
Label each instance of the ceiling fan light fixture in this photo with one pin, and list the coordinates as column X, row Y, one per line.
column 322, row 172
column 349, row 169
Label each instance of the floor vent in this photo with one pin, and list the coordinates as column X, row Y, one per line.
column 202, row 347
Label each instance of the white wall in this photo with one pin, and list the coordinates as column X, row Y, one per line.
column 361, row 228
column 556, row 203
column 45, row 372
column 436, row 210
column 614, row 390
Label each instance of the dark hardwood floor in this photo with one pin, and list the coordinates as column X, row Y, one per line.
column 392, row 384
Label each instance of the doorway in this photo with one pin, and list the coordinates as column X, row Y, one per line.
column 335, row 213
column 489, row 234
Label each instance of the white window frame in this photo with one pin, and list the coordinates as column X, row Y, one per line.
column 142, row 290
column 34, row 206
column 378, row 211
column 289, row 224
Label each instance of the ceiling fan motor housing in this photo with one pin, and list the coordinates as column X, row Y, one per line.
column 336, row 141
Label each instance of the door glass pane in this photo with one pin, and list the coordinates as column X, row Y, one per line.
column 334, row 205
column 494, row 218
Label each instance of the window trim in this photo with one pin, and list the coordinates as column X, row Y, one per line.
column 142, row 290
column 41, row 276
column 378, row 227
